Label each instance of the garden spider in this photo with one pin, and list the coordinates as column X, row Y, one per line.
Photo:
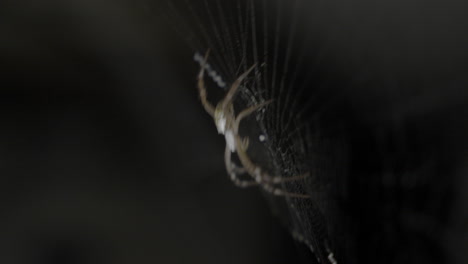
column 227, row 124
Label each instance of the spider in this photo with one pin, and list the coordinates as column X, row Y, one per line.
column 227, row 124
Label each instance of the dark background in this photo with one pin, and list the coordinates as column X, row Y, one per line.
column 106, row 155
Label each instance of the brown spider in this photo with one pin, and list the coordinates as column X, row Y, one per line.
column 228, row 125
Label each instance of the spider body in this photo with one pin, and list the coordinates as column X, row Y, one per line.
column 223, row 120
column 227, row 124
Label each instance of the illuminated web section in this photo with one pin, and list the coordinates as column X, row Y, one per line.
column 362, row 103
column 285, row 138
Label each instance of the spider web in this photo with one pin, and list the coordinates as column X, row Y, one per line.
column 359, row 202
column 272, row 35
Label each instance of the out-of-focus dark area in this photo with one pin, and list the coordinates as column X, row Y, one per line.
column 106, row 155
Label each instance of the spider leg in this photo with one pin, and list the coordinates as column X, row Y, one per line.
column 232, row 91
column 267, row 183
column 279, row 179
column 237, row 170
column 244, row 113
column 231, row 170
column 280, row 192
column 202, row 90
column 245, row 143
column 263, row 179
column 249, row 166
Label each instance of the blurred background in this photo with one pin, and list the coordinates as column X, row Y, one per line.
column 106, row 155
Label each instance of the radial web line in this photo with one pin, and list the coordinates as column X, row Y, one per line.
column 255, row 48
column 276, row 50
column 290, row 89
column 265, row 51
column 219, row 40
column 229, row 36
column 242, row 65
